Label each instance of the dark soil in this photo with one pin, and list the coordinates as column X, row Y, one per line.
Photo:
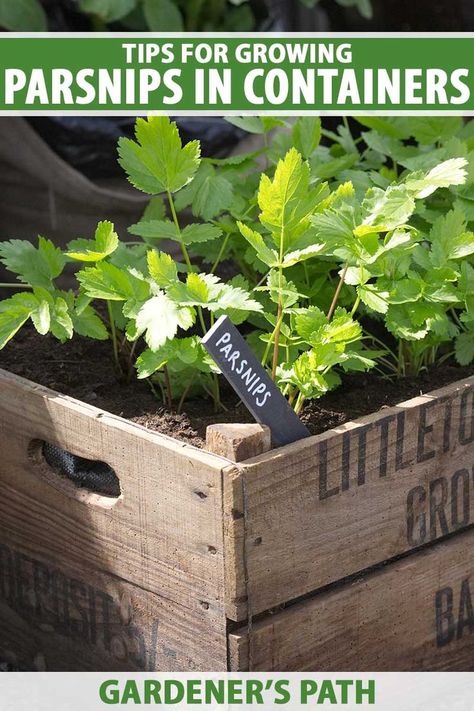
column 83, row 369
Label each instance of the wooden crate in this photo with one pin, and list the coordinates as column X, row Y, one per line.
column 206, row 563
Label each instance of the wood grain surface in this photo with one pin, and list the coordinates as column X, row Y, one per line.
column 416, row 614
column 319, row 510
column 157, row 552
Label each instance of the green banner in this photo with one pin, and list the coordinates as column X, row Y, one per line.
column 233, row 74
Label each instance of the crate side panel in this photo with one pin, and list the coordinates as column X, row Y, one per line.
column 163, row 539
column 412, row 615
column 330, row 506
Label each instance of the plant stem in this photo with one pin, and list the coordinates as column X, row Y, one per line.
column 280, row 312
column 183, row 396
column 7, row 285
column 332, row 308
column 221, row 252
column 113, row 334
column 299, row 403
column 169, row 392
column 276, row 344
column 356, row 305
column 178, row 231
column 185, row 254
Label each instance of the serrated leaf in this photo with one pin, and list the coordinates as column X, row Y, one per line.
column 106, row 281
column 61, row 325
column 103, row 245
column 300, row 255
column 281, row 290
column 374, row 299
column 194, row 234
column 306, row 134
column 157, row 161
column 198, row 290
column 449, row 239
column 35, row 266
column 162, row 16
column 342, row 328
column 281, row 199
column 309, row 322
column 387, row 209
column 14, row 313
column 251, row 124
column 450, row 172
column 267, row 255
column 150, row 361
column 158, row 319
column 432, row 129
column 209, row 194
column 162, row 268
column 464, row 348
column 41, row 318
column 87, row 323
column 154, row 230
column 107, row 10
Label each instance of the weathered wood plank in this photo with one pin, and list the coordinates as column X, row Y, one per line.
column 161, row 544
column 416, row 614
column 329, row 506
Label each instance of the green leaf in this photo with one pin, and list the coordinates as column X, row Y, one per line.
column 108, row 10
column 448, row 238
column 150, row 361
column 152, row 230
column 300, row 255
column 61, row 326
column 464, row 348
column 309, row 322
column 265, row 254
column 23, row 16
column 155, row 210
column 450, row 172
column 342, row 328
column 307, row 134
column 157, row 161
column 105, row 243
column 197, row 289
column 34, row 266
column 162, row 16
column 186, row 351
column 162, row 268
column 105, row 281
column 280, row 289
column 194, row 234
column 387, row 209
column 434, row 129
column 386, row 126
column 14, row 313
column 87, row 323
column 41, row 317
column 374, row 299
column 209, row 194
column 287, row 201
column 158, row 319
column 255, row 124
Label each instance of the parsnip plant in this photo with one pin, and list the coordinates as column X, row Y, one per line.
column 327, row 240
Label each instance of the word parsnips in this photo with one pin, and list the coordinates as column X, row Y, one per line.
column 252, row 383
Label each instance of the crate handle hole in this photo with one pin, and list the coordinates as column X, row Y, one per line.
column 89, row 481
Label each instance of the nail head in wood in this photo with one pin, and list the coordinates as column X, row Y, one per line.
column 238, row 442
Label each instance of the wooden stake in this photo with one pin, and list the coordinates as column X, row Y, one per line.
column 238, row 442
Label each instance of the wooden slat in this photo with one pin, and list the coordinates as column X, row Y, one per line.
column 161, row 544
column 416, row 614
column 332, row 505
